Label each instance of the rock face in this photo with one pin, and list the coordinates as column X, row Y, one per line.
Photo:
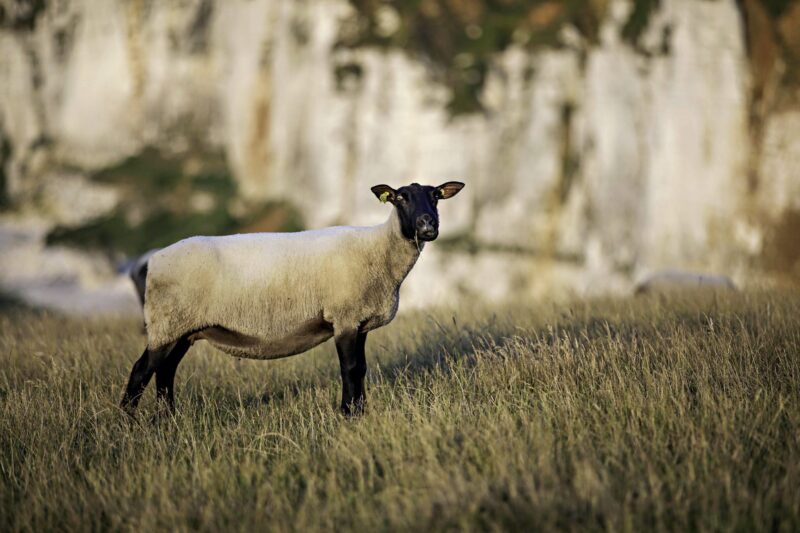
column 593, row 163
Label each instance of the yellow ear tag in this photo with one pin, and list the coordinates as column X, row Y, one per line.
column 384, row 196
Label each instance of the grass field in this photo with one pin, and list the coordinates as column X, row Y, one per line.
column 644, row 414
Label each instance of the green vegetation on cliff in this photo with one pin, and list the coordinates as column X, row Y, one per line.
column 166, row 198
column 459, row 39
column 5, row 151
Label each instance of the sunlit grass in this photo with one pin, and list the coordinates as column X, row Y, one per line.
column 633, row 414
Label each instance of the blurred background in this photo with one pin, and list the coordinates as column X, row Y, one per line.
column 600, row 140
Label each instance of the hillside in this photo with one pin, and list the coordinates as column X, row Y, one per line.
column 645, row 414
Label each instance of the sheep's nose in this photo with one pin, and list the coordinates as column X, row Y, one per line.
column 426, row 227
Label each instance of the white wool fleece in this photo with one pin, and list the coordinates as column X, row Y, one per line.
column 265, row 285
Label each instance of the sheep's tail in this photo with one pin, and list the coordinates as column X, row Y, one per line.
column 136, row 269
column 138, row 275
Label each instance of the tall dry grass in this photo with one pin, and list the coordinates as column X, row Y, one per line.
column 620, row 414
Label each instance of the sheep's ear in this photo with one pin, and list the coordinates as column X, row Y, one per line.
column 448, row 190
column 384, row 193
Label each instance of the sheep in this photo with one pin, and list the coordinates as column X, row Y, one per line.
column 273, row 295
column 675, row 280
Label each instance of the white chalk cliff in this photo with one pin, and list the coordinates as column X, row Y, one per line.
column 592, row 164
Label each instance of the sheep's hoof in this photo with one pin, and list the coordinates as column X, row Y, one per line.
column 353, row 409
column 165, row 410
column 161, row 417
column 130, row 416
column 128, row 406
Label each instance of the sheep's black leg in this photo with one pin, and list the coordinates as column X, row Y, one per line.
column 165, row 373
column 140, row 375
column 353, row 363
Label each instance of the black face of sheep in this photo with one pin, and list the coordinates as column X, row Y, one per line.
column 416, row 206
